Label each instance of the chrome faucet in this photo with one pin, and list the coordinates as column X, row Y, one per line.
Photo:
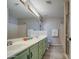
column 9, row 43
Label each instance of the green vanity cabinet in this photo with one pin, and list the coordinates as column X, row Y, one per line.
column 34, row 51
column 23, row 55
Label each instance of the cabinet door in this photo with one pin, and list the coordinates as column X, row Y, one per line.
column 34, row 52
column 44, row 45
column 40, row 49
column 23, row 55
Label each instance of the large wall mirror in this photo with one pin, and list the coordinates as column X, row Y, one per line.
column 20, row 19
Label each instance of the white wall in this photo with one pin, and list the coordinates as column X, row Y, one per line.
column 16, row 30
column 25, row 24
column 12, row 28
column 33, row 23
column 19, row 27
column 48, row 25
column 52, row 23
column 22, row 28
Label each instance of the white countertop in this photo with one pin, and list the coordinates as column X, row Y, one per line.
column 21, row 45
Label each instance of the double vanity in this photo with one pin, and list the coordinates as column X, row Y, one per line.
column 30, row 49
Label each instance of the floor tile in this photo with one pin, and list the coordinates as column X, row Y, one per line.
column 54, row 52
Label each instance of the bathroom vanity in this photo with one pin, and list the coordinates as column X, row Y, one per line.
column 31, row 49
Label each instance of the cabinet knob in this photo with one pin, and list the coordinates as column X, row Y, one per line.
column 28, row 57
column 31, row 54
column 12, row 57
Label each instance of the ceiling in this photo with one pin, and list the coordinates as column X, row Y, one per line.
column 54, row 9
column 17, row 9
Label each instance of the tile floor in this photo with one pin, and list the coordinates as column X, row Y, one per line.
column 54, row 52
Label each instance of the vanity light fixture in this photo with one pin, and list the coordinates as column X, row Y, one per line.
column 30, row 7
column 33, row 11
column 49, row 2
column 23, row 1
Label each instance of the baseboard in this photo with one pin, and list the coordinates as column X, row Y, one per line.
column 56, row 45
column 66, row 56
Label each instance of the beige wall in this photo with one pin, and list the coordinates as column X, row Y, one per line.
column 12, row 28
column 22, row 28
column 19, row 27
column 25, row 24
column 31, row 23
column 15, row 30
column 54, row 23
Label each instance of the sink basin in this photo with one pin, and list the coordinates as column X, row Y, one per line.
column 14, row 47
